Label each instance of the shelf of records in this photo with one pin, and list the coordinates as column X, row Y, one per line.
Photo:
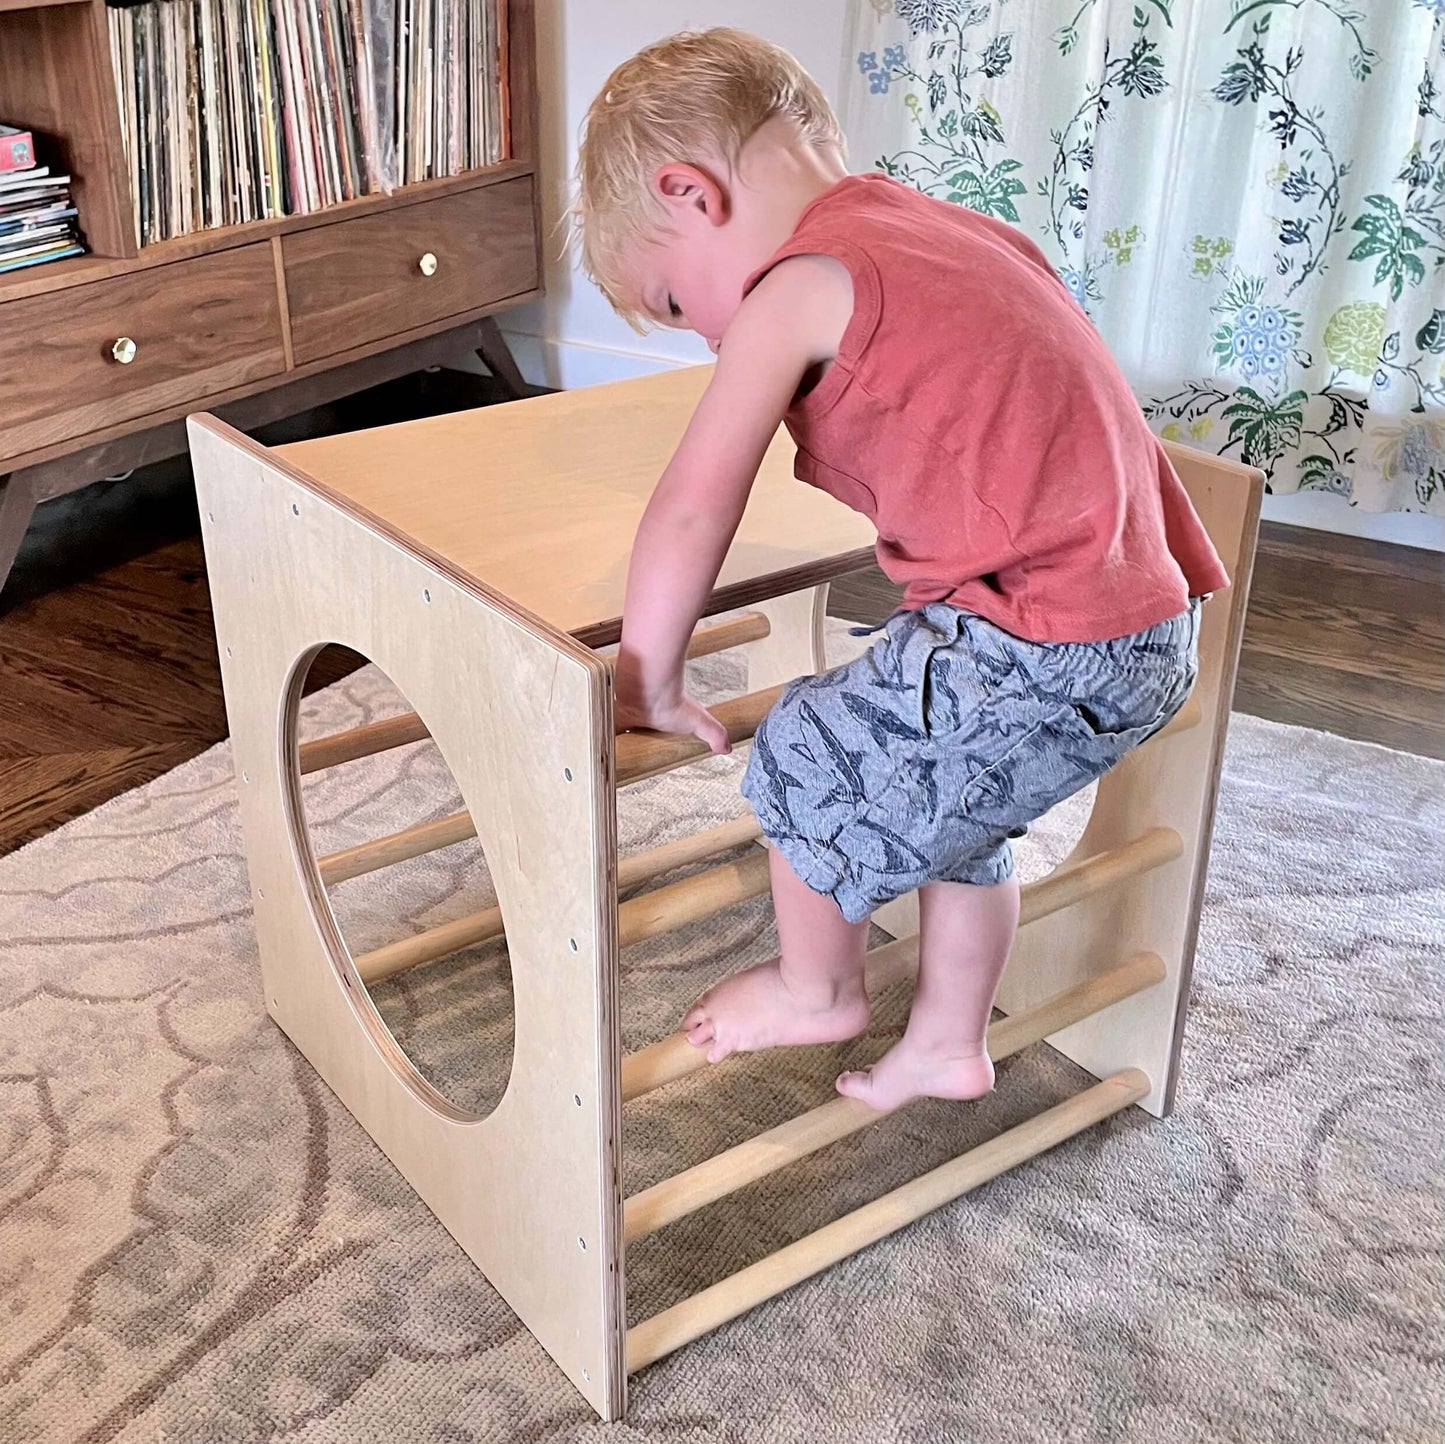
column 243, row 110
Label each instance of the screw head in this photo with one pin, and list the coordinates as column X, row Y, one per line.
column 567, row 773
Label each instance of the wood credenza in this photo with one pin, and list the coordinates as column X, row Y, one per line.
column 103, row 356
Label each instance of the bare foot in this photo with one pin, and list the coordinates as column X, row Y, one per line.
column 909, row 1070
column 754, row 1009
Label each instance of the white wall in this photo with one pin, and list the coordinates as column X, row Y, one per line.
column 571, row 338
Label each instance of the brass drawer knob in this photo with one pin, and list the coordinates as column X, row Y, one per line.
column 428, row 264
column 123, row 350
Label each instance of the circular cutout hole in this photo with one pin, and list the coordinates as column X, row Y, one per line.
column 423, row 931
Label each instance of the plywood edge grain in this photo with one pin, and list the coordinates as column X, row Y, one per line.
column 473, row 586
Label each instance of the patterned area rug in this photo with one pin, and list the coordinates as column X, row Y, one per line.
column 197, row 1243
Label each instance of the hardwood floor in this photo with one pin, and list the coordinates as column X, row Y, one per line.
column 111, row 678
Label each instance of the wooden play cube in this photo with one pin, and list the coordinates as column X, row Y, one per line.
column 480, row 560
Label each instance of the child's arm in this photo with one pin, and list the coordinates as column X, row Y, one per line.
column 789, row 323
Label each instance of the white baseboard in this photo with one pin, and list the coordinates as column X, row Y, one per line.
column 1323, row 512
column 565, row 365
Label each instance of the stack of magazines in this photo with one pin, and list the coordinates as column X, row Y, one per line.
column 240, row 110
column 37, row 219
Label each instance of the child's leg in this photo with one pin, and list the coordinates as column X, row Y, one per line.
column 966, row 935
column 813, row 993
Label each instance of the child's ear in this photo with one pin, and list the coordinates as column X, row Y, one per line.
column 688, row 190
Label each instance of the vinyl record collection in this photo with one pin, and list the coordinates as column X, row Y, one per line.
column 240, row 110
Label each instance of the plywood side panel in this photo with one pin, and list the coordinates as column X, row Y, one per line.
column 1170, row 781
column 524, row 720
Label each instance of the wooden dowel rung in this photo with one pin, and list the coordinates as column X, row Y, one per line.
column 408, row 727
column 375, row 737
column 658, row 1336
column 680, row 903
column 639, row 755
column 395, row 847
column 674, row 1057
column 429, row 946
column 736, row 1167
column 642, row 867
column 638, row 918
column 1077, row 880
column 645, row 754
column 720, row 636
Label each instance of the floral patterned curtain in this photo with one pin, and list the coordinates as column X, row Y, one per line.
column 1248, row 197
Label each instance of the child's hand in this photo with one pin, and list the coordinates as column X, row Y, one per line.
column 674, row 712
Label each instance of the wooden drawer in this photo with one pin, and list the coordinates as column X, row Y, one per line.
column 362, row 280
column 199, row 327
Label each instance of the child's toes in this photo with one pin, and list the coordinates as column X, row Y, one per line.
column 700, row 1034
column 695, row 1016
column 858, row 1085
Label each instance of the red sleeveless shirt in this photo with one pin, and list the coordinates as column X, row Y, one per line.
column 975, row 415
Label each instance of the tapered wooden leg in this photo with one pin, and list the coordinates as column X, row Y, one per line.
column 497, row 355
column 17, row 505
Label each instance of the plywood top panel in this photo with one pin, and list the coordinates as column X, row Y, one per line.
column 540, row 499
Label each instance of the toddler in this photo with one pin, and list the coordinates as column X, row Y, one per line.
column 937, row 377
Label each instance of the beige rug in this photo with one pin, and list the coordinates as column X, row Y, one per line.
column 197, row 1243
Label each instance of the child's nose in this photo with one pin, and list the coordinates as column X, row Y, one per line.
column 713, row 345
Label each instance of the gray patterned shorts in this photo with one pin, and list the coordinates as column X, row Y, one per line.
column 919, row 761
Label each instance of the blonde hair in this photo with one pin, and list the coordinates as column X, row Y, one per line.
column 689, row 97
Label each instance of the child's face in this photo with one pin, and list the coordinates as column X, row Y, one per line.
column 689, row 274
column 692, row 283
